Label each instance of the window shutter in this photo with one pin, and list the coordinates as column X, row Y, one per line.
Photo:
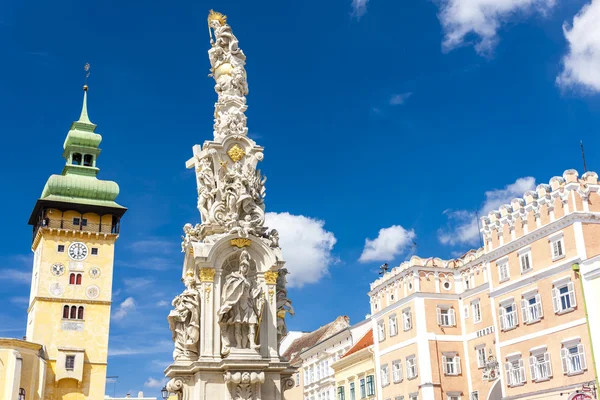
column 444, row 364
column 572, row 298
column 400, row 371
column 538, row 302
column 501, row 315
column 507, row 370
column 522, row 370
column 548, row 363
column 564, row 355
column 532, row 361
column 452, row 317
column 439, row 315
column 555, row 245
column 457, row 364
column 581, row 356
column 524, row 305
column 514, row 307
column 555, row 300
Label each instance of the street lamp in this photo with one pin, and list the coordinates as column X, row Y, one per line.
column 164, row 393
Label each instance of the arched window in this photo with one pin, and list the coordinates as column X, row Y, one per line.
column 73, row 312
column 72, row 279
column 76, row 159
column 78, row 282
column 80, row 312
column 66, row 312
column 21, row 394
column 88, row 160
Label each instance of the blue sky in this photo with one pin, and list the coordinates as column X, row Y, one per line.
column 384, row 123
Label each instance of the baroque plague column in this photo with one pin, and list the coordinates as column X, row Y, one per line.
column 228, row 323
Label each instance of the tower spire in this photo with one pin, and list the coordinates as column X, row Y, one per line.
column 83, row 118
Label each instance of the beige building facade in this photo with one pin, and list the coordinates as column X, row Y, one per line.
column 514, row 319
column 355, row 371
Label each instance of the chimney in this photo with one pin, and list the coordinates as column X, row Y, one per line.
column 128, row 395
column 140, row 395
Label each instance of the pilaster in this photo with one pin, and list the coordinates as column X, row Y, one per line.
column 207, row 278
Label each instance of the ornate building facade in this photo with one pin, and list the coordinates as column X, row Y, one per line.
column 515, row 319
column 75, row 223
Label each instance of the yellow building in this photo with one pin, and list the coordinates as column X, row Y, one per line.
column 516, row 319
column 355, row 371
column 75, row 226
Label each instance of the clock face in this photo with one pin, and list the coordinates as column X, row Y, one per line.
column 78, row 251
column 58, row 269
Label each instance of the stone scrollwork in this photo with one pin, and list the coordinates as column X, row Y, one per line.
column 244, row 385
column 287, row 383
column 184, row 321
column 177, row 386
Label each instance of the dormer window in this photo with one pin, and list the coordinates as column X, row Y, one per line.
column 76, row 159
column 88, row 160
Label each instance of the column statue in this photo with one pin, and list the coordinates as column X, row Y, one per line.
column 184, row 320
column 241, row 309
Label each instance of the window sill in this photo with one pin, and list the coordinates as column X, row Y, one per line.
column 410, row 378
column 509, row 329
column 542, row 379
column 523, row 272
column 517, row 385
column 400, row 381
column 395, row 334
column 535, row 321
column 565, row 311
column 476, row 322
column 575, row 373
column 445, row 374
column 559, row 257
column 504, row 280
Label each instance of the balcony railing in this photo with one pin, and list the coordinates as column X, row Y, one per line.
column 68, row 224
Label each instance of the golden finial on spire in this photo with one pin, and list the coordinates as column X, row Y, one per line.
column 87, row 75
column 217, row 16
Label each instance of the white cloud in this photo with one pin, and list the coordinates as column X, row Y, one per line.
column 388, row 244
column 125, row 307
column 483, row 18
column 306, row 246
column 20, row 300
column 154, row 383
column 359, row 8
column 581, row 66
column 399, row 98
column 162, row 303
column 16, row 276
column 462, row 224
column 134, row 284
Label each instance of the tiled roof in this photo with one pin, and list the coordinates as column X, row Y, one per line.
column 364, row 342
column 308, row 340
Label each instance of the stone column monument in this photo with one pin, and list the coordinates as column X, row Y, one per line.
column 228, row 322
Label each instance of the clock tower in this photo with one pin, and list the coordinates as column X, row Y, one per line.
column 75, row 223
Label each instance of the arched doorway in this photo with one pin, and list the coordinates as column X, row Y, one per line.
column 496, row 392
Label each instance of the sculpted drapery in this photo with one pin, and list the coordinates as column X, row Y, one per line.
column 184, row 321
column 241, row 308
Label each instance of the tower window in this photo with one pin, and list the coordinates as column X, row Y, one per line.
column 65, row 312
column 61, row 248
column 75, row 279
column 88, row 160
column 70, row 363
column 94, row 251
column 80, row 312
column 73, row 314
column 76, row 160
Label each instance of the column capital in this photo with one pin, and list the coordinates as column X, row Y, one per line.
column 207, row 274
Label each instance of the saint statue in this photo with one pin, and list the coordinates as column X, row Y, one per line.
column 184, row 320
column 284, row 305
column 241, row 309
column 207, row 188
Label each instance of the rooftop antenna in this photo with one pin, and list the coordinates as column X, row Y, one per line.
column 583, row 156
column 114, row 382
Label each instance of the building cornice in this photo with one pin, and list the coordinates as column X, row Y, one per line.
column 19, row 344
column 354, row 358
column 65, row 300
